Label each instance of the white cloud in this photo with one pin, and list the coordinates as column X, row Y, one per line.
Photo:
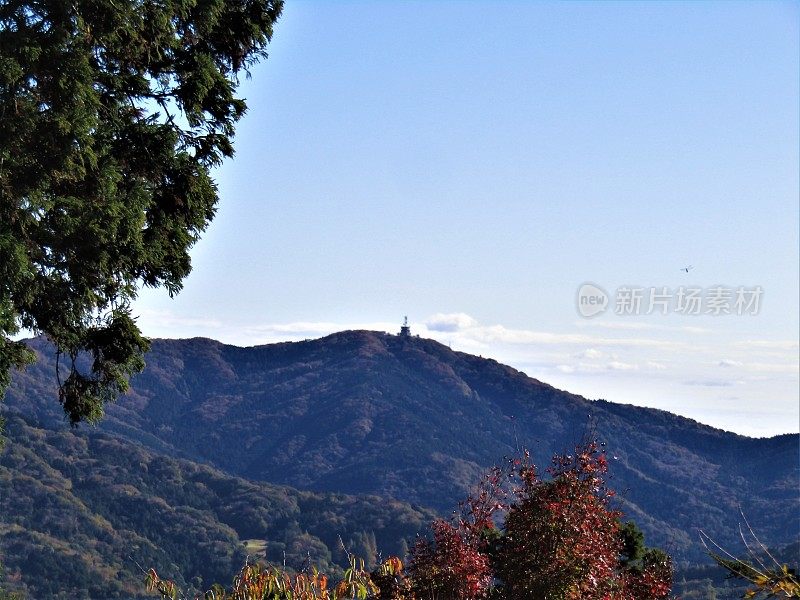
column 501, row 334
column 656, row 366
column 690, row 329
column 450, row 322
column 616, row 365
column 773, row 367
column 709, row 382
column 761, row 367
column 770, row 344
column 641, row 326
column 729, row 363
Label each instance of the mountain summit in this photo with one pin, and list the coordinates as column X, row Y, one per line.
column 404, row 417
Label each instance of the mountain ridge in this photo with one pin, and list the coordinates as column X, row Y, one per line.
column 365, row 412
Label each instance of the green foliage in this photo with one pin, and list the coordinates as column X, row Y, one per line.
column 6, row 595
column 761, row 568
column 112, row 114
column 558, row 541
column 77, row 509
column 633, row 548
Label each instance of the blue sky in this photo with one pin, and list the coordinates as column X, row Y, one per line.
column 470, row 165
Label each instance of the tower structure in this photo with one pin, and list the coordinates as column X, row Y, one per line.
column 405, row 330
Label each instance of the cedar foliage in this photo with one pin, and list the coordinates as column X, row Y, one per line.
column 112, row 115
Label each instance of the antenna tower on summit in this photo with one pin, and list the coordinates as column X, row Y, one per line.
column 405, row 330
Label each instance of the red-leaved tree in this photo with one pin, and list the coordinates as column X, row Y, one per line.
column 455, row 565
column 560, row 539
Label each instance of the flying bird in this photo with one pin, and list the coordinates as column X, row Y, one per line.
column 687, row 268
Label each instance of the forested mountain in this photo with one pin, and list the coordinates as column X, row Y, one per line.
column 79, row 511
column 361, row 412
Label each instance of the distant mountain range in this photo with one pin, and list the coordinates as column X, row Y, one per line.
column 361, row 412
